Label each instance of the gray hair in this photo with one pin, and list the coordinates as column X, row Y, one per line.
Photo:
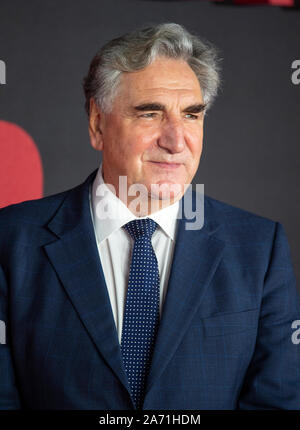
column 137, row 49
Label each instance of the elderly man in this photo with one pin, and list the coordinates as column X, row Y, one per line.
column 110, row 301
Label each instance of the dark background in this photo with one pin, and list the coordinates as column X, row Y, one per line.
column 251, row 142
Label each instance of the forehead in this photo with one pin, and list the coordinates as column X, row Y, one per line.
column 162, row 78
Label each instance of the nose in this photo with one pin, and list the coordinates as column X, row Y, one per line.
column 172, row 136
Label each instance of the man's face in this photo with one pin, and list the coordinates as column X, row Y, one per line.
column 153, row 135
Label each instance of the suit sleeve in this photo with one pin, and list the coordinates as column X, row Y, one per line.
column 9, row 396
column 272, row 380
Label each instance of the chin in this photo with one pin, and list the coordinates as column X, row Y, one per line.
column 166, row 191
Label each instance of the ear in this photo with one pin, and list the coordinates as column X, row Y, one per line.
column 95, row 132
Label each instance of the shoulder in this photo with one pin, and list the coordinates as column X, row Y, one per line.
column 226, row 210
column 235, row 225
column 24, row 223
column 31, row 211
column 39, row 211
column 24, row 227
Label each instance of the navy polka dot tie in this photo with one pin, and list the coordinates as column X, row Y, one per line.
column 141, row 317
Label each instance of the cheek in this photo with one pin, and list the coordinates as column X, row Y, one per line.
column 195, row 149
column 141, row 142
column 196, row 140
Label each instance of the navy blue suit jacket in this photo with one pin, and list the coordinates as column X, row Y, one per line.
column 224, row 340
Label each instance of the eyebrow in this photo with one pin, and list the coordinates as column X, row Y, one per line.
column 196, row 108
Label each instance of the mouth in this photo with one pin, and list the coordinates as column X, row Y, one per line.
column 165, row 165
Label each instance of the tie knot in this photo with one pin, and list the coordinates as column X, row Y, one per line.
column 140, row 228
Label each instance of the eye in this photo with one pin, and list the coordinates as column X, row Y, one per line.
column 191, row 116
column 148, row 115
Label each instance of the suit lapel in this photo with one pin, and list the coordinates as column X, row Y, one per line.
column 75, row 258
column 196, row 257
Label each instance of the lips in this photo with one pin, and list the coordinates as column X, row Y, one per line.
column 166, row 165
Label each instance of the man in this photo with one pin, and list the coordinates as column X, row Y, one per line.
column 110, row 304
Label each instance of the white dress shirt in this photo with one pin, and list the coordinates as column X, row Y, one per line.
column 115, row 245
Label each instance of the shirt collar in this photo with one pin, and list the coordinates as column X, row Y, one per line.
column 103, row 201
